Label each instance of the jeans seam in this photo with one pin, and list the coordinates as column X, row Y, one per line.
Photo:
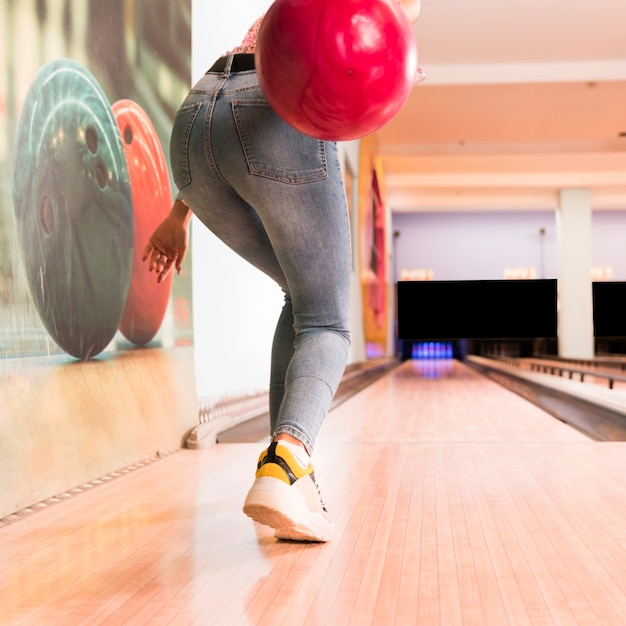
column 291, row 380
column 207, row 133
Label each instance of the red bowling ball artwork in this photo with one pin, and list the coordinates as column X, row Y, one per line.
column 85, row 195
column 152, row 198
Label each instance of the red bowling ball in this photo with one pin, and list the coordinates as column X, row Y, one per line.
column 336, row 69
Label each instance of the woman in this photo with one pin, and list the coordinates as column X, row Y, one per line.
column 276, row 197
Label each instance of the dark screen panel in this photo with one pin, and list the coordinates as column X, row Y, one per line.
column 609, row 309
column 477, row 309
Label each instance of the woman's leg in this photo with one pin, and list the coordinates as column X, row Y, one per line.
column 282, row 353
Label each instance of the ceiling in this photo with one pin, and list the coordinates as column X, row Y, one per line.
column 521, row 100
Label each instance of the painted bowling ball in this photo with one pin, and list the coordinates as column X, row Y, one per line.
column 336, row 69
column 152, row 200
column 72, row 206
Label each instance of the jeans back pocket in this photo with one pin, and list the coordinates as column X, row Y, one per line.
column 273, row 148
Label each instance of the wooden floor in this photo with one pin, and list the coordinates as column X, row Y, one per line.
column 456, row 502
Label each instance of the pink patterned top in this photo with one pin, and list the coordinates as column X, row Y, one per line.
column 248, row 45
column 249, row 41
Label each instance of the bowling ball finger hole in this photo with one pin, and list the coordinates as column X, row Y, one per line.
column 46, row 216
column 91, row 138
column 101, row 173
column 128, row 135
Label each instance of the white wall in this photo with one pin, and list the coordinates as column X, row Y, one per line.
column 478, row 246
column 608, row 233
column 475, row 246
column 235, row 307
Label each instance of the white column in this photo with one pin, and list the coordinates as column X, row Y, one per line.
column 575, row 320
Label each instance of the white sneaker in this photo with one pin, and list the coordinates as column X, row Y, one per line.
column 285, row 496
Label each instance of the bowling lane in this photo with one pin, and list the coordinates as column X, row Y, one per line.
column 447, row 511
column 442, row 400
column 595, row 409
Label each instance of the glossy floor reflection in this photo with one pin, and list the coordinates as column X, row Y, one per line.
column 456, row 502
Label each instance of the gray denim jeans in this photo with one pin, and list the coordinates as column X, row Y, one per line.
column 276, row 197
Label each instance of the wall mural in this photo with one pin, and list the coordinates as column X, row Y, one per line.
column 84, row 142
column 96, row 357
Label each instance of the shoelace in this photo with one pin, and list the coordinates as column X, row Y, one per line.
column 319, row 493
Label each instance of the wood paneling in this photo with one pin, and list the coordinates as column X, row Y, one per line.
column 64, row 423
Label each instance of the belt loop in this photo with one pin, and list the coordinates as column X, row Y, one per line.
column 229, row 64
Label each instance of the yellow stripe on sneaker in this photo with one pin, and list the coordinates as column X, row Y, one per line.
column 279, row 462
column 274, row 470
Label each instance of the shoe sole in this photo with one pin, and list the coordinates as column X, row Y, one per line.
column 273, row 503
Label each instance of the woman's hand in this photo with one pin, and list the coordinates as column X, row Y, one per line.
column 169, row 242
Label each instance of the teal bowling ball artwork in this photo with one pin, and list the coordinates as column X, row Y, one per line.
column 73, row 208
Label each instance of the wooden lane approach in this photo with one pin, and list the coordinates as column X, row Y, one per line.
column 455, row 500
